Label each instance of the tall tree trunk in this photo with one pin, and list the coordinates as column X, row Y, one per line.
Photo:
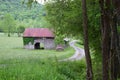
column 8, row 34
column 86, row 43
column 115, row 41
column 118, row 55
column 9, row 30
column 113, row 54
column 105, row 22
column 117, row 7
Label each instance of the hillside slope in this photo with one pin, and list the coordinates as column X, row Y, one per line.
column 20, row 11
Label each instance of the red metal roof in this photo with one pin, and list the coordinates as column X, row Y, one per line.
column 38, row 32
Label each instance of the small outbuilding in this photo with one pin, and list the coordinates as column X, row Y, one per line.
column 38, row 38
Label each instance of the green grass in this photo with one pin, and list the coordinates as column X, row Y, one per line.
column 17, row 63
column 12, row 47
column 79, row 44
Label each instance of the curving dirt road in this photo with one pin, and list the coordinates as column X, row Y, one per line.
column 79, row 52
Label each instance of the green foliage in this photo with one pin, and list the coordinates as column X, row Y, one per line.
column 1, row 30
column 59, row 38
column 73, row 70
column 26, row 40
column 20, row 11
column 22, row 14
column 97, row 69
column 118, row 29
column 66, row 18
column 8, row 24
column 20, row 29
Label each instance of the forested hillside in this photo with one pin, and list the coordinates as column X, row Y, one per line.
column 19, row 10
column 20, row 15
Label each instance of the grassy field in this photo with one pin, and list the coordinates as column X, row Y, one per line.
column 17, row 63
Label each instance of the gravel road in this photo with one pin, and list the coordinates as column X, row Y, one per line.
column 79, row 52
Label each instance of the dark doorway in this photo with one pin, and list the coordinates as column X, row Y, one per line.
column 37, row 46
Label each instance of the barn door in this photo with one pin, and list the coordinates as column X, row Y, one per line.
column 37, row 45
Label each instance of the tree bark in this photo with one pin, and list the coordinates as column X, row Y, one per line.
column 113, row 54
column 86, row 43
column 105, row 28
column 116, row 13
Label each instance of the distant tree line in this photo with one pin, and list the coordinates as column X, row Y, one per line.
column 15, row 16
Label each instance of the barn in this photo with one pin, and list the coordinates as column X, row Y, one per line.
column 38, row 38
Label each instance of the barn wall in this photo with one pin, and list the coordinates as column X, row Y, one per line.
column 49, row 44
column 29, row 46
